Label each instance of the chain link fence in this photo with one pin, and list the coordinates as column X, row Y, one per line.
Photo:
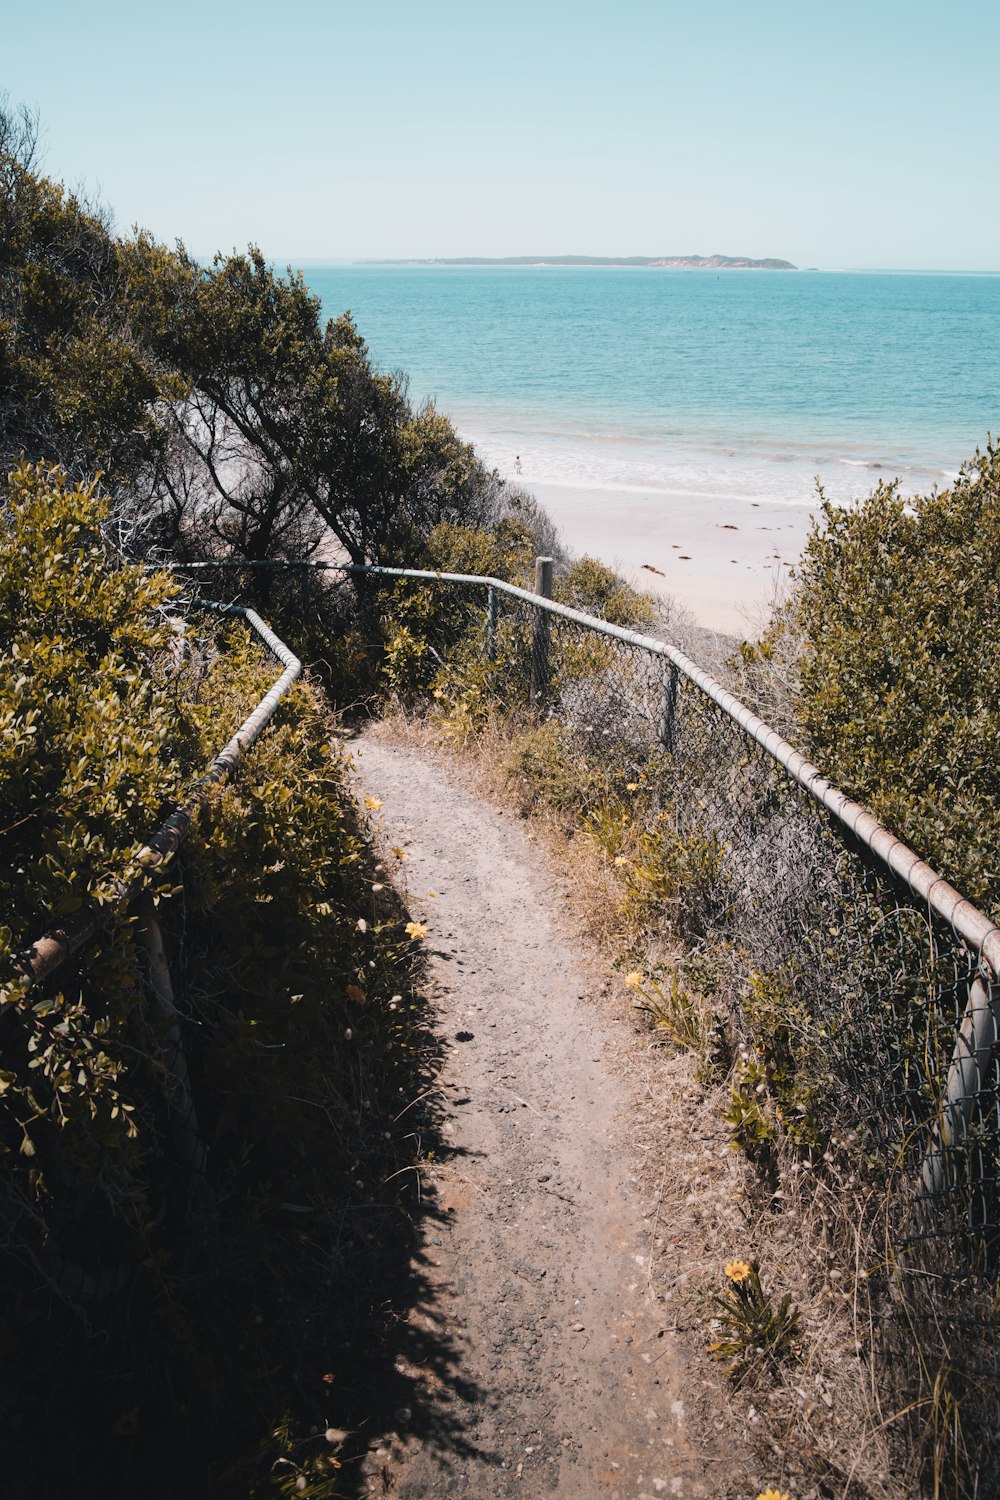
column 862, row 987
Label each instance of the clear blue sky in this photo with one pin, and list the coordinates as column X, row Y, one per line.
column 859, row 133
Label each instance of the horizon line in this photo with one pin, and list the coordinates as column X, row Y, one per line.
column 611, row 264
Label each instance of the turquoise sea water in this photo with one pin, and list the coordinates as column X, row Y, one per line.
column 743, row 384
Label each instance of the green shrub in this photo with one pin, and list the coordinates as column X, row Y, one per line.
column 434, row 635
column 788, row 1043
column 506, row 550
column 94, row 748
column 592, row 586
column 292, row 977
column 548, row 772
column 747, row 1114
column 673, row 877
column 900, row 614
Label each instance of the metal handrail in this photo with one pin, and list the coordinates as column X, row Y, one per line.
column 979, row 1029
column 60, row 943
column 970, row 924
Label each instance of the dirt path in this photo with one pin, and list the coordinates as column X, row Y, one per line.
column 564, row 1377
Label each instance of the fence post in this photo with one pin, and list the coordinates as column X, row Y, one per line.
column 188, row 1145
column 543, row 629
column 977, row 1037
column 669, row 707
column 491, row 623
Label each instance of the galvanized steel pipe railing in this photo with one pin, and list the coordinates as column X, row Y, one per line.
column 61, row 942
column 982, row 936
column 980, row 1026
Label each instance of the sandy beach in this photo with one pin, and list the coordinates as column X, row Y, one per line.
column 680, row 419
column 720, row 559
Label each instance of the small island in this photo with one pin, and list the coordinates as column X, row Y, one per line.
column 672, row 262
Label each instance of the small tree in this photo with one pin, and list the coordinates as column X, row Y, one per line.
column 213, row 399
column 287, row 436
column 234, row 478
column 78, row 381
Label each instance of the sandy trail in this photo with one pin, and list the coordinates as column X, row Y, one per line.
column 563, row 1378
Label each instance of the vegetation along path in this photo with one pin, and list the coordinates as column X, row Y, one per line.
column 561, row 1378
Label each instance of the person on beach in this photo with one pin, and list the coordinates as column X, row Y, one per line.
column 517, row 463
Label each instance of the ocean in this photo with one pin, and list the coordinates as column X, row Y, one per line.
column 724, row 386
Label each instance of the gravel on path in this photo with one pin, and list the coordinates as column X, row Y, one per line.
column 564, row 1375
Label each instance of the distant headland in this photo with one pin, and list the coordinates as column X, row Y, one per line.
column 673, row 262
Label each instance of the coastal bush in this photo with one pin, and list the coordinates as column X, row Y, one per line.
column 80, row 382
column 782, row 1080
column 289, row 441
column 92, row 750
column 900, row 619
column 592, row 586
column 433, row 635
column 227, row 418
column 506, row 549
column 292, row 978
column 673, row 877
column 549, row 771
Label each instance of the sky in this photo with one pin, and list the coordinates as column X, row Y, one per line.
column 856, row 134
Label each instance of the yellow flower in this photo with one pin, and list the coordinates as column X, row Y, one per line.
column 621, row 859
column 127, row 1424
column 416, row 930
column 399, row 853
column 373, row 803
column 634, row 980
column 771, row 1494
column 738, row 1270
column 631, row 786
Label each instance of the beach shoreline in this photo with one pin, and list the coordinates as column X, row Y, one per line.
column 722, row 560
